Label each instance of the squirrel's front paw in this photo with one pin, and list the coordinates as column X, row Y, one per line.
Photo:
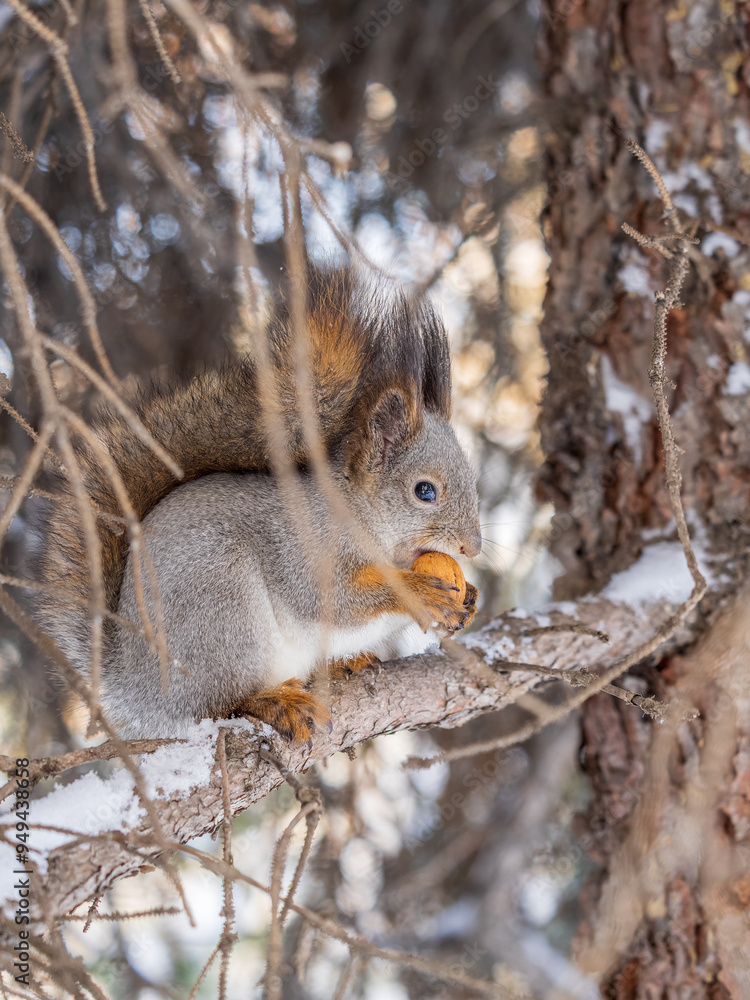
column 441, row 603
column 288, row 708
column 470, row 602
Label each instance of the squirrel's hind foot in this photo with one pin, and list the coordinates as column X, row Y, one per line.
column 288, row 709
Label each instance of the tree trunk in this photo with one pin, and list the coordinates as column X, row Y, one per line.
column 667, row 913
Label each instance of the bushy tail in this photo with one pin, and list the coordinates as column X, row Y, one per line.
column 359, row 344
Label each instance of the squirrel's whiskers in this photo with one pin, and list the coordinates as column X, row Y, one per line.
column 264, row 580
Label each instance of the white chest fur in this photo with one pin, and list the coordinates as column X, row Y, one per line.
column 300, row 651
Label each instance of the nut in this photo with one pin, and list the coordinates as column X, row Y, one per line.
column 443, row 566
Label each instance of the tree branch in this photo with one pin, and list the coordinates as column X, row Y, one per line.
column 445, row 689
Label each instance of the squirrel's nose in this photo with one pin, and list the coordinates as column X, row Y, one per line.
column 472, row 546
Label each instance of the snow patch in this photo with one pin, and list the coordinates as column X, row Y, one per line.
column 90, row 805
column 661, row 574
column 564, row 607
column 720, row 241
column 742, row 134
column 495, row 649
column 680, row 179
column 688, row 203
column 634, row 409
column 635, row 279
column 714, row 208
column 657, row 133
column 738, row 379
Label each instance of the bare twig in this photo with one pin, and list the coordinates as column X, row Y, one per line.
column 203, row 973
column 21, row 150
column 348, row 976
column 88, row 305
column 311, row 807
column 359, row 944
column 59, row 50
column 117, row 916
column 228, row 935
column 122, row 408
column 30, row 470
column 47, row 767
column 153, row 28
column 665, row 301
column 93, row 912
column 583, row 678
column 575, row 627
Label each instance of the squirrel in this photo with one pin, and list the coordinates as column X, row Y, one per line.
column 262, row 586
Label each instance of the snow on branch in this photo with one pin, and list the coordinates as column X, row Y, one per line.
column 89, row 833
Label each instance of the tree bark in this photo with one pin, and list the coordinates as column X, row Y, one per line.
column 675, row 79
column 444, row 690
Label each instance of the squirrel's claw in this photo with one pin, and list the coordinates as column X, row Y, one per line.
column 470, row 603
column 442, row 607
column 288, row 708
column 355, row 665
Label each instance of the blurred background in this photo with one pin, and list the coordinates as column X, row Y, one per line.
column 457, row 218
column 426, row 134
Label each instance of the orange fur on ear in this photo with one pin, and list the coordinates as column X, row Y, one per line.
column 378, row 364
column 443, row 566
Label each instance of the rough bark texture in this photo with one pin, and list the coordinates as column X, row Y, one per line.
column 627, row 70
column 429, row 690
column 675, row 78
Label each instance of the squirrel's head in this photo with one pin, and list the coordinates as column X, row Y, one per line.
column 419, row 485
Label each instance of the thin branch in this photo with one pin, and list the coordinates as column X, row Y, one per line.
column 88, row 305
column 576, row 627
column 359, row 944
column 59, row 49
column 117, row 916
column 348, row 976
column 273, row 983
column 583, row 678
column 20, row 149
column 47, row 767
column 153, row 28
column 30, row 470
column 203, row 973
column 137, row 427
column 228, row 935
column 645, row 159
column 665, row 301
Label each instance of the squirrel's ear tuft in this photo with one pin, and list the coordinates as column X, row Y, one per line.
column 391, row 425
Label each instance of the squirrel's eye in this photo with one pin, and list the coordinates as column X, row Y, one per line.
column 426, row 492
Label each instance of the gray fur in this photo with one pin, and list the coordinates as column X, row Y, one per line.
column 242, row 577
